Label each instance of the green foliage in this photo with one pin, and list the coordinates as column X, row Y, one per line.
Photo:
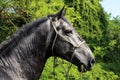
column 113, row 54
column 6, row 32
column 100, row 71
column 90, row 20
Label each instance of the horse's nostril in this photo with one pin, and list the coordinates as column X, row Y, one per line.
column 92, row 62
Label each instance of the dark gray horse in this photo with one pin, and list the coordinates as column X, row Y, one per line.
column 23, row 55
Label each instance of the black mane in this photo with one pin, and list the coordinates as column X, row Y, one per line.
column 7, row 45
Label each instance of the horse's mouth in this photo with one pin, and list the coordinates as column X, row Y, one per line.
column 83, row 68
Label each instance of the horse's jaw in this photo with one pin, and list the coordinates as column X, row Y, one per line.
column 83, row 61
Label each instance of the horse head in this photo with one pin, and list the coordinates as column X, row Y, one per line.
column 67, row 44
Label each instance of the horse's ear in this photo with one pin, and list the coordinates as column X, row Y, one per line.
column 61, row 13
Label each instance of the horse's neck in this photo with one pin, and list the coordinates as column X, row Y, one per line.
column 27, row 59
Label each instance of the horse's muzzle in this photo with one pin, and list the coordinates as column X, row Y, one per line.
column 84, row 68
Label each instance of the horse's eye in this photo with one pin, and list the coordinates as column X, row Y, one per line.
column 68, row 32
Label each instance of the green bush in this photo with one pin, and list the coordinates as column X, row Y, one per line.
column 101, row 71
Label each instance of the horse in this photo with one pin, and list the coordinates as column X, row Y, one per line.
column 24, row 54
